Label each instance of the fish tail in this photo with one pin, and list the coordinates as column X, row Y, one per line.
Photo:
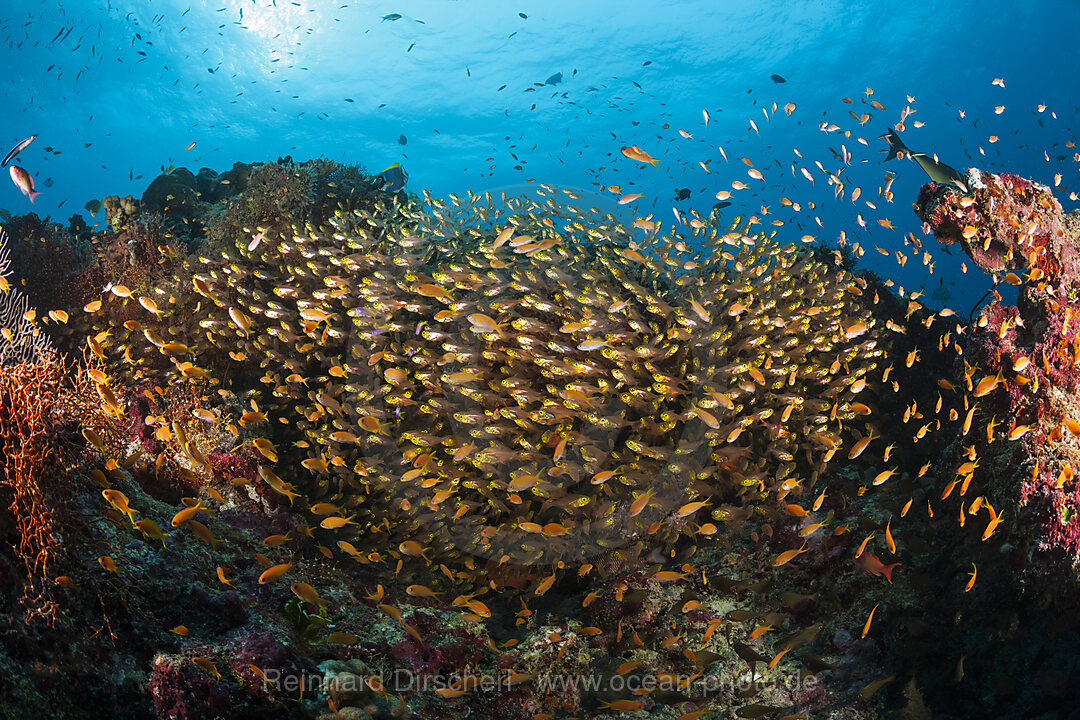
column 896, row 145
column 886, row 570
column 33, row 194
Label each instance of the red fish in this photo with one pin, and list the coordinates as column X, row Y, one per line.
column 23, row 181
column 869, row 563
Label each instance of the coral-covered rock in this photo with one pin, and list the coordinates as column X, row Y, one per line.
column 1025, row 357
column 182, row 691
column 346, row 688
column 172, row 194
column 213, row 187
column 120, row 211
column 44, row 256
column 1004, row 222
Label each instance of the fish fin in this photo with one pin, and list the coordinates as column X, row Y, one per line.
column 896, row 145
column 886, row 570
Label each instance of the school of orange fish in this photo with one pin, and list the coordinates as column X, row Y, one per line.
column 458, row 387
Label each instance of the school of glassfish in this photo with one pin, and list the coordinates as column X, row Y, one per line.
column 480, row 383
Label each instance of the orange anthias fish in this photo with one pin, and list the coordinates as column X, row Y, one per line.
column 788, row 555
column 119, row 501
column 635, row 153
column 971, row 582
column 274, row 572
column 870, row 619
column 995, row 520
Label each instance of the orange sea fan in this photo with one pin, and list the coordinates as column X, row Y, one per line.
column 33, row 479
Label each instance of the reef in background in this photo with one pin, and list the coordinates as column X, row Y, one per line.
column 504, row 447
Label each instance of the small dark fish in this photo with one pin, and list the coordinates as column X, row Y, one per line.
column 94, row 206
column 391, row 16
column 402, row 140
column 748, row 653
column 777, row 78
column 17, row 149
column 554, row 79
column 705, row 658
column 868, row 692
column 816, row 664
column 682, row 194
column 800, row 638
column 523, row 16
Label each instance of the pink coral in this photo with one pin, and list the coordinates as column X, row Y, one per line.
column 181, row 691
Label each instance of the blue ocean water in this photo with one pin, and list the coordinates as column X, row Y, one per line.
column 490, row 95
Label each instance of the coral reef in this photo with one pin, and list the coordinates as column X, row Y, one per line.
column 1012, row 530
column 120, row 211
column 279, row 195
column 324, row 451
column 1030, row 352
column 376, row 370
column 44, row 257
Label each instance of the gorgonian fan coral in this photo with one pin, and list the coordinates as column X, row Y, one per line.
column 33, row 480
column 21, row 340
